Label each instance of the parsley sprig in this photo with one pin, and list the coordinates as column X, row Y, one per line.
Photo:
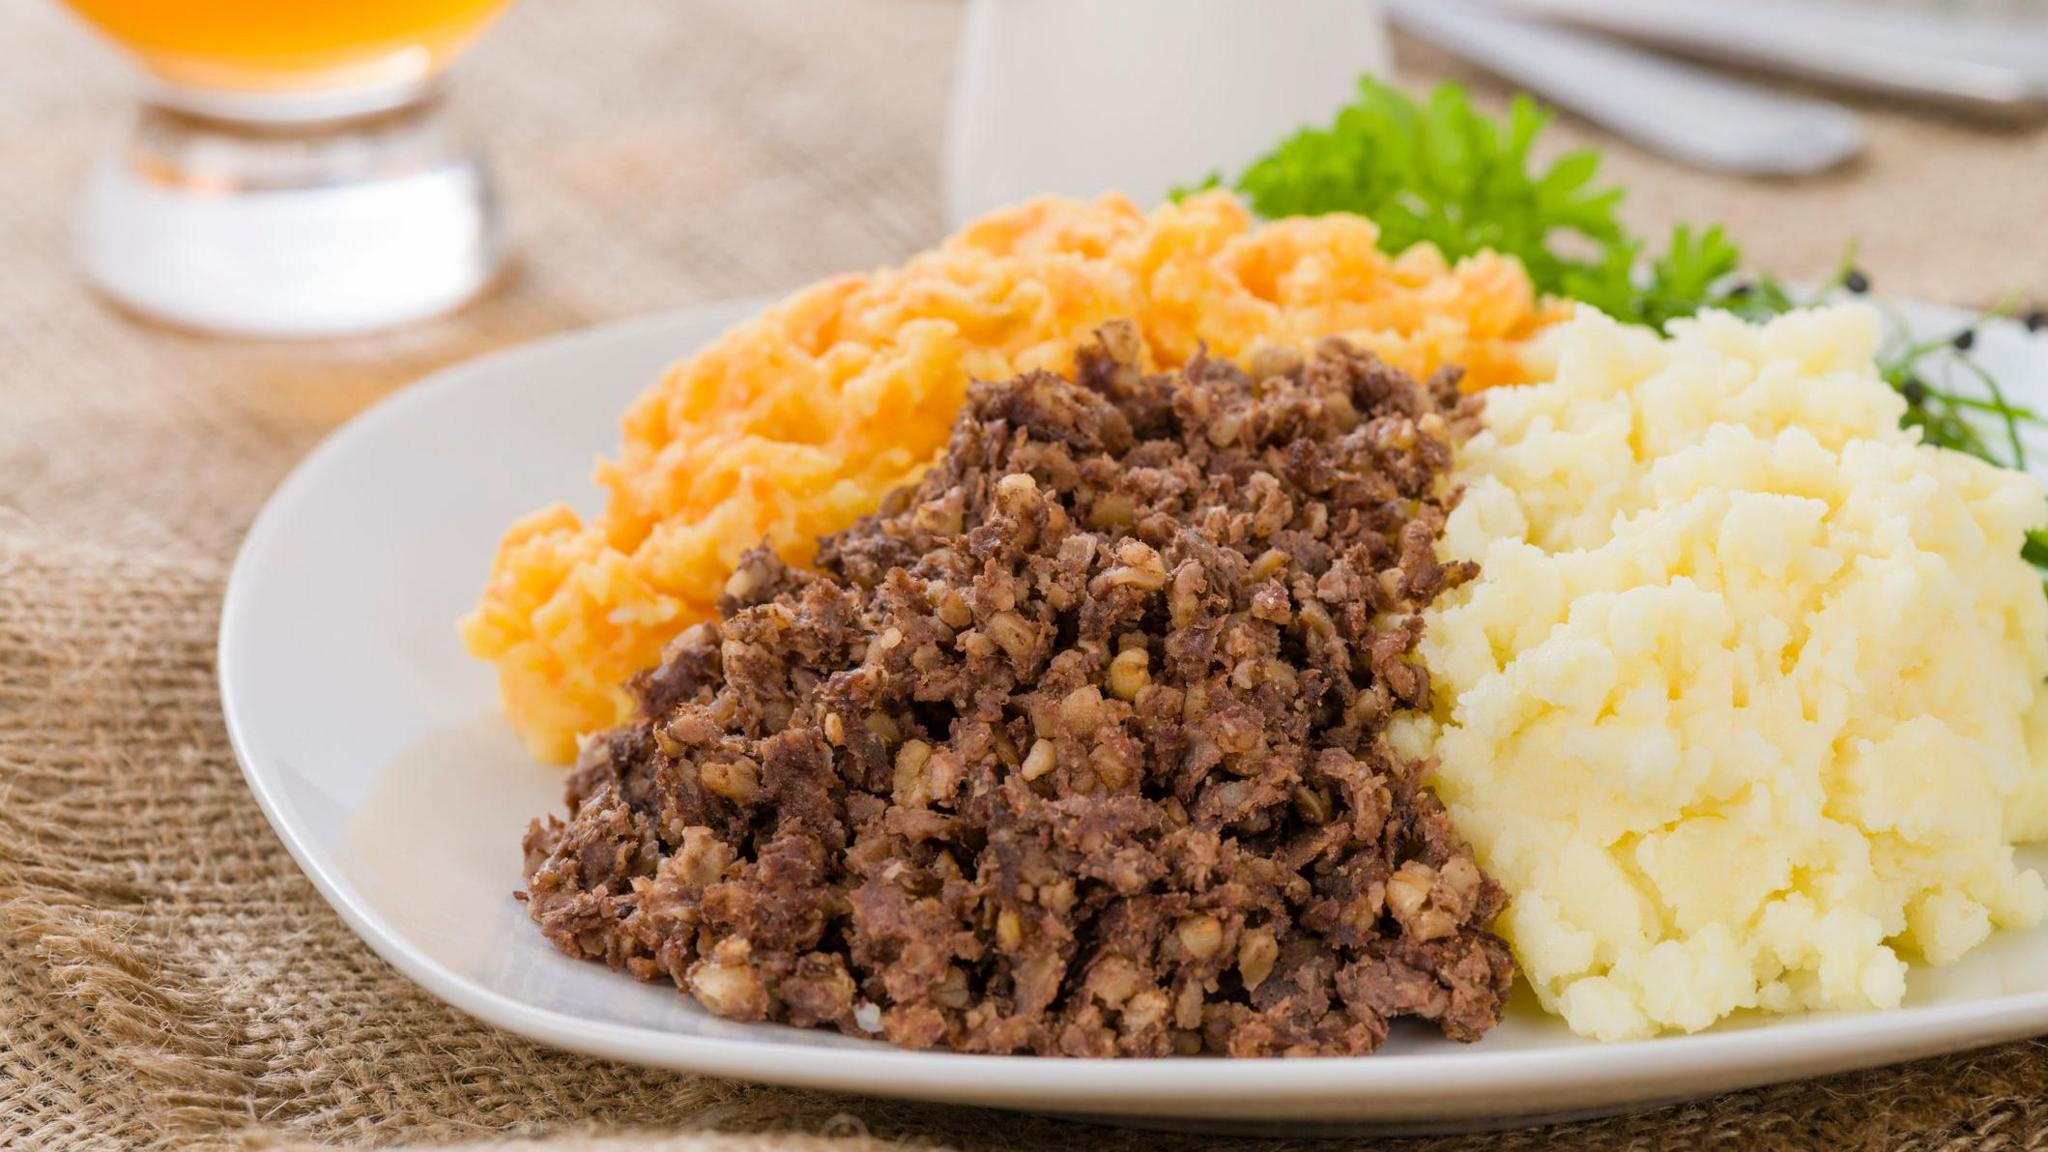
column 1443, row 172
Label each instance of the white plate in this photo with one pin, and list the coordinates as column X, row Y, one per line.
column 377, row 750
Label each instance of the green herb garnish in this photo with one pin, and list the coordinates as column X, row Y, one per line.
column 1445, row 173
column 1441, row 171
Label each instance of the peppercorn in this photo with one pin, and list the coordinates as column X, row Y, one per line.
column 1965, row 340
column 2035, row 319
column 1740, row 290
column 1914, row 391
column 1855, row 281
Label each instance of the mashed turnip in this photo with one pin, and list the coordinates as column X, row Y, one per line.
column 1739, row 709
column 795, row 424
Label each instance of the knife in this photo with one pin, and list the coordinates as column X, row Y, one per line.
column 1682, row 111
column 1972, row 62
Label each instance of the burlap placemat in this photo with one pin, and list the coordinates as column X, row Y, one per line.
column 167, row 978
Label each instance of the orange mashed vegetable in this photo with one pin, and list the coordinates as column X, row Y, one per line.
column 795, row 424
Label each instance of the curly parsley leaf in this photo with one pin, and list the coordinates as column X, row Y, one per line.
column 1442, row 172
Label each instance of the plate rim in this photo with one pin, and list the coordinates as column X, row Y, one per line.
column 1638, row 1070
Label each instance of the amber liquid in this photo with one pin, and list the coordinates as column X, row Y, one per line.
column 290, row 45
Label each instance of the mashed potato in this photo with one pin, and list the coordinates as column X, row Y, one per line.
column 796, row 424
column 1739, row 708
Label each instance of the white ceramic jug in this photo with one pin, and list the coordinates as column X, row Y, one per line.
column 1138, row 96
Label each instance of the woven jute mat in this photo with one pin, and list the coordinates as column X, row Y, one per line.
column 167, row 977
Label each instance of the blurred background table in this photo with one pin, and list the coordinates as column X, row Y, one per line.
column 166, row 976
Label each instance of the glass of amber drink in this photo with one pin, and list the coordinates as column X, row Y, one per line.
column 291, row 169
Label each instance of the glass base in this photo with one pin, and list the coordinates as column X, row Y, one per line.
column 294, row 229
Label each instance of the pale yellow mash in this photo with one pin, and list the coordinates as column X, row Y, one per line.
column 1746, row 708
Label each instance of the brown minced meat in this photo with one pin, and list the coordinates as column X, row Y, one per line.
column 1078, row 748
